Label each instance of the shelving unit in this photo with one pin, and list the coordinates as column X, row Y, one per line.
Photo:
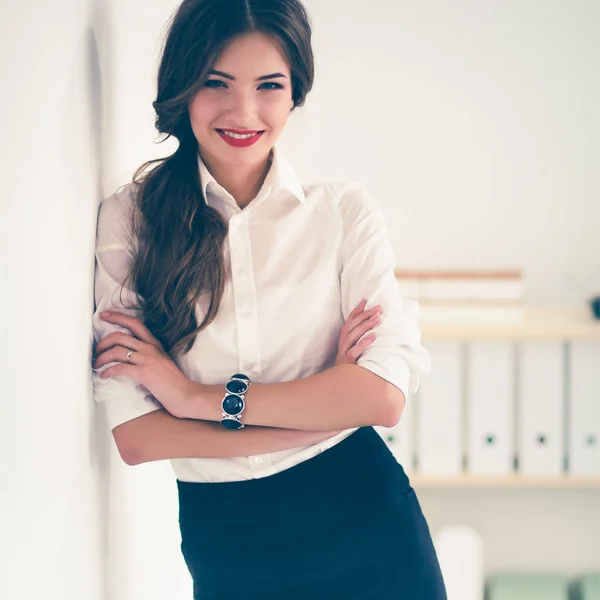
column 526, row 324
column 503, row 481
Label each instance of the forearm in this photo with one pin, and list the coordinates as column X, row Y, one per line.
column 160, row 436
column 339, row 398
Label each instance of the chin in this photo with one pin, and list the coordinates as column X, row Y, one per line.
column 247, row 156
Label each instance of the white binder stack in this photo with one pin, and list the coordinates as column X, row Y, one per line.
column 490, row 407
column 541, row 407
column 439, row 411
column 584, row 408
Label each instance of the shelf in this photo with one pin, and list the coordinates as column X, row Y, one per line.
column 538, row 323
column 513, row 481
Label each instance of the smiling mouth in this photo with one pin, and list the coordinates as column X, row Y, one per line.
column 239, row 134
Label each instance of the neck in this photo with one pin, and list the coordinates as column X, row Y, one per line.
column 243, row 182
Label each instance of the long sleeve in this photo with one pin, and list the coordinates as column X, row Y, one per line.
column 367, row 271
column 123, row 398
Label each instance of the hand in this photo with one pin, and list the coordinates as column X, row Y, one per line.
column 359, row 321
column 149, row 365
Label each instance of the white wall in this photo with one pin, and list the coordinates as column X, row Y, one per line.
column 475, row 124
column 72, row 512
column 53, row 461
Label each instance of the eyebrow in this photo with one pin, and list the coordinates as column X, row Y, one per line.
column 227, row 76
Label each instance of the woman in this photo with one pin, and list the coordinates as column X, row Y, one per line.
column 232, row 358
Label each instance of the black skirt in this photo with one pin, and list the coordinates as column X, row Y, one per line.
column 344, row 525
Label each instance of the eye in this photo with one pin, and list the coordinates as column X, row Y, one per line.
column 277, row 85
column 210, row 82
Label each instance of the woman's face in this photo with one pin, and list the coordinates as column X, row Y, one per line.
column 249, row 89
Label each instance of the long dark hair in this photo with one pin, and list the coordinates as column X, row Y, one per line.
column 178, row 249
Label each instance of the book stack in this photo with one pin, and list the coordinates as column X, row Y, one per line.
column 465, row 294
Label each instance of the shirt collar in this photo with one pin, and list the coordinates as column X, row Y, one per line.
column 281, row 175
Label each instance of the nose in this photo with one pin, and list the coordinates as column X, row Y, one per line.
column 243, row 109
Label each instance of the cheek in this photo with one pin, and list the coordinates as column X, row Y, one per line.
column 203, row 111
column 276, row 112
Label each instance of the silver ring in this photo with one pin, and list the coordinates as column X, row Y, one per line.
column 129, row 354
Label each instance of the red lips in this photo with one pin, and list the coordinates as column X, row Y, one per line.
column 237, row 142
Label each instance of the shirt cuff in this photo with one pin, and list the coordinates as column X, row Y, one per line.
column 124, row 399
column 400, row 376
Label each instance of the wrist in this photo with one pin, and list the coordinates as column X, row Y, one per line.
column 234, row 403
column 193, row 405
column 203, row 402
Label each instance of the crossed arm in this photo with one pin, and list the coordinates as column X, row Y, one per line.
column 341, row 397
column 338, row 399
column 284, row 415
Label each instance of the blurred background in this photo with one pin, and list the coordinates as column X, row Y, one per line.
column 476, row 125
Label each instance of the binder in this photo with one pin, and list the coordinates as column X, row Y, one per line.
column 590, row 586
column 490, row 407
column 439, row 411
column 460, row 552
column 529, row 586
column 541, row 407
column 584, row 408
column 399, row 438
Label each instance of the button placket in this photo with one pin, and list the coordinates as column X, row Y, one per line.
column 244, row 298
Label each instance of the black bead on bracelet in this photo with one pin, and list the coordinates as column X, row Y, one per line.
column 233, row 403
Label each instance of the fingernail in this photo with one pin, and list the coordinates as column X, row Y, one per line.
column 105, row 314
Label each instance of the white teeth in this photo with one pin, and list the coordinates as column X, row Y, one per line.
column 237, row 136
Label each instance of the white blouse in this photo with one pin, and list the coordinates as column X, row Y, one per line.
column 299, row 259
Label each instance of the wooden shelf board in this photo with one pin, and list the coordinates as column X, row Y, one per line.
column 534, row 323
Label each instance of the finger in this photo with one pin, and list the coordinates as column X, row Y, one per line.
column 119, row 338
column 356, row 320
column 367, row 324
column 354, row 353
column 350, row 335
column 363, row 324
column 134, row 324
column 359, row 308
column 120, row 369
column 349, row 340
column 119, row 354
